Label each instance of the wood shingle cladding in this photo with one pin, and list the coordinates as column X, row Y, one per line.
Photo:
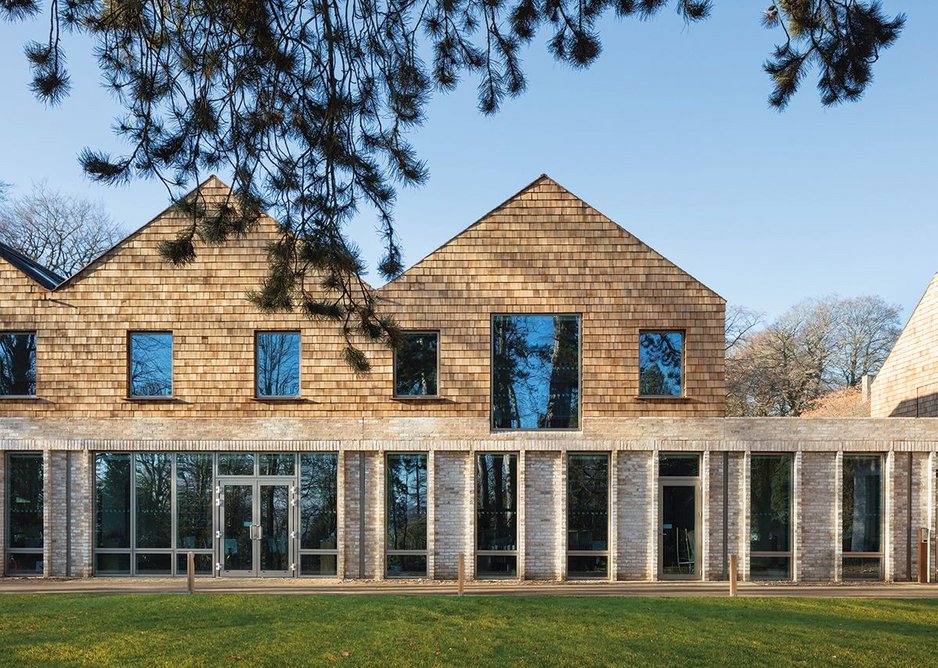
column 542, row 251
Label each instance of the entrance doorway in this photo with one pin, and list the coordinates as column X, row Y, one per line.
column 257, row 527
column 679, row 517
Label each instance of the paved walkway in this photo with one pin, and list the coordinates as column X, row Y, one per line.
column 145, row 585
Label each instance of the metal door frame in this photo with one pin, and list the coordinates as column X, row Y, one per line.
column 255, row 482
column 698, row 527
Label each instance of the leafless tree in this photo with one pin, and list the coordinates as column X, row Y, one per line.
column 59, row 231
column 868, row 328
column 740, row 324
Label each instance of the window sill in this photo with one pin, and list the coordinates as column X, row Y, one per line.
column 419, row 397
column 660, row 397
column 153, row 400
column 282, row 400
column 23, row 397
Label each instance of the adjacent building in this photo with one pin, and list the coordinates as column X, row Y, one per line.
column 555, row 410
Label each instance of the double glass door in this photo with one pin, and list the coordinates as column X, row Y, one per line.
column 257, row 527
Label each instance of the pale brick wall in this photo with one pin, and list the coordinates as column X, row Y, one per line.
column 907, row 383
column 635, row 490
column 450, row 502
column 543, row 514
column 818, row 527
column 737, row 523
column 374, row 513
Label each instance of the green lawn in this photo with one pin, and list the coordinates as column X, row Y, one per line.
column 395, row 630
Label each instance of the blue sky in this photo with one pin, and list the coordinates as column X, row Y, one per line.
column 668, row 133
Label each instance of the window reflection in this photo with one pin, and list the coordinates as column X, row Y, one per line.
column 194, row 501
column 660, row 363
column 862, row 516
column 18, row 364
column 535, row 371
column 112, row 500
column 277, row 358
column 151, row 364
column 496, row 514
column 415, row 364
column 770, row 517
column 24, row 539
column 407, row 515
column 154, row 487
column 587, row 514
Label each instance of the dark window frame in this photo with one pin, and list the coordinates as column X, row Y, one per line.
column 638, row 369
column 579, row 416
column 516, row 553
column 788, row 554
column 417, row 397
column 388, row 553
column 172, row 366
column 35, row 334
column 8, row 550
column 299, row 367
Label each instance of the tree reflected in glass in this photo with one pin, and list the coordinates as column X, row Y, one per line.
column 278, row 364
column 660, row 364
column 151, row 364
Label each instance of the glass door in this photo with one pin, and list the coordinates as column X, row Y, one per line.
column 679, row 549
column 257, row 533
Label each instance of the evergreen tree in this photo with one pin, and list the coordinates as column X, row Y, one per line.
column 307, row 105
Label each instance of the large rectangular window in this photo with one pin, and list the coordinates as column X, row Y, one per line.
column 862, row 517
column 24, row 539
column 587, row 515
column 17, row 364
column 661, row 364
column 319, row 513
column 277, row 364
column 416, row 364
column 535, row 371
column 406, row 516
column 135, row 507
column 770, row 517
column 150, row 364
column 496, row 515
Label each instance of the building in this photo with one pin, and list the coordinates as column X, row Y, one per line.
column 555, row 411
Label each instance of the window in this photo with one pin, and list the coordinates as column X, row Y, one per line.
column 18, row 364
column 587, row 515
column 150, row 364
column 496, row 515
column 661, row 364
column 770, row 517
column 24, row 539
column 319, row 513
column 535, row 371
column 406, row 515
column 862, row 517
column 277, row 364
column 416, row 364
column 135, row 506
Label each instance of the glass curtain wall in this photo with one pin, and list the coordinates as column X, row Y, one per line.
column 496, row 515
column 587, row 515
column 862, row 528
column 406, row 514
column 319, row 513
column 24, row 539
column 770, row 517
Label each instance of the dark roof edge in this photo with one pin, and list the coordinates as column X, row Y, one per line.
column 32, row 269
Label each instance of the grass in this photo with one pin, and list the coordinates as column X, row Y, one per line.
column 217, row 629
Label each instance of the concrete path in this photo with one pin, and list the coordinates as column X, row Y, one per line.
column 144, row 585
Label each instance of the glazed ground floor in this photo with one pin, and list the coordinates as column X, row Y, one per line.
column 665, row 500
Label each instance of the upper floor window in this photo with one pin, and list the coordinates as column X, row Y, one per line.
column 18, row 364
column 150, row 364
column 535, row 371
column 661, row 364
column 277, row 364
column 416, row 364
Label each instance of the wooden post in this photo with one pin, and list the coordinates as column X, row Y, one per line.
column 190, row 571
column 461, row 570
column 922, row 556
column 733, row 566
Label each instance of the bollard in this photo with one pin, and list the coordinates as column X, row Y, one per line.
column 732, row 575
column 461, row 572
column 923, row 555
column 190, row 571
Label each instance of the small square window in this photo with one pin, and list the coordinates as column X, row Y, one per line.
column 661, row 364
column 18, row 364
column 277, row 364
column 416, row 364
column 150, row 364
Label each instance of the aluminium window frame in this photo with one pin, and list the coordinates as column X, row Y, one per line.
column 881, row 554
column 416, row 397
column 7, row 509
column 607, row 553
column 299, row 367
column 638, row 368
column 406, row 553
column 789, row 553
column 35, row 334
column 319, row 552
column 696, row 483
column 516, row 553
column 579, row 418
column 128, row 347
